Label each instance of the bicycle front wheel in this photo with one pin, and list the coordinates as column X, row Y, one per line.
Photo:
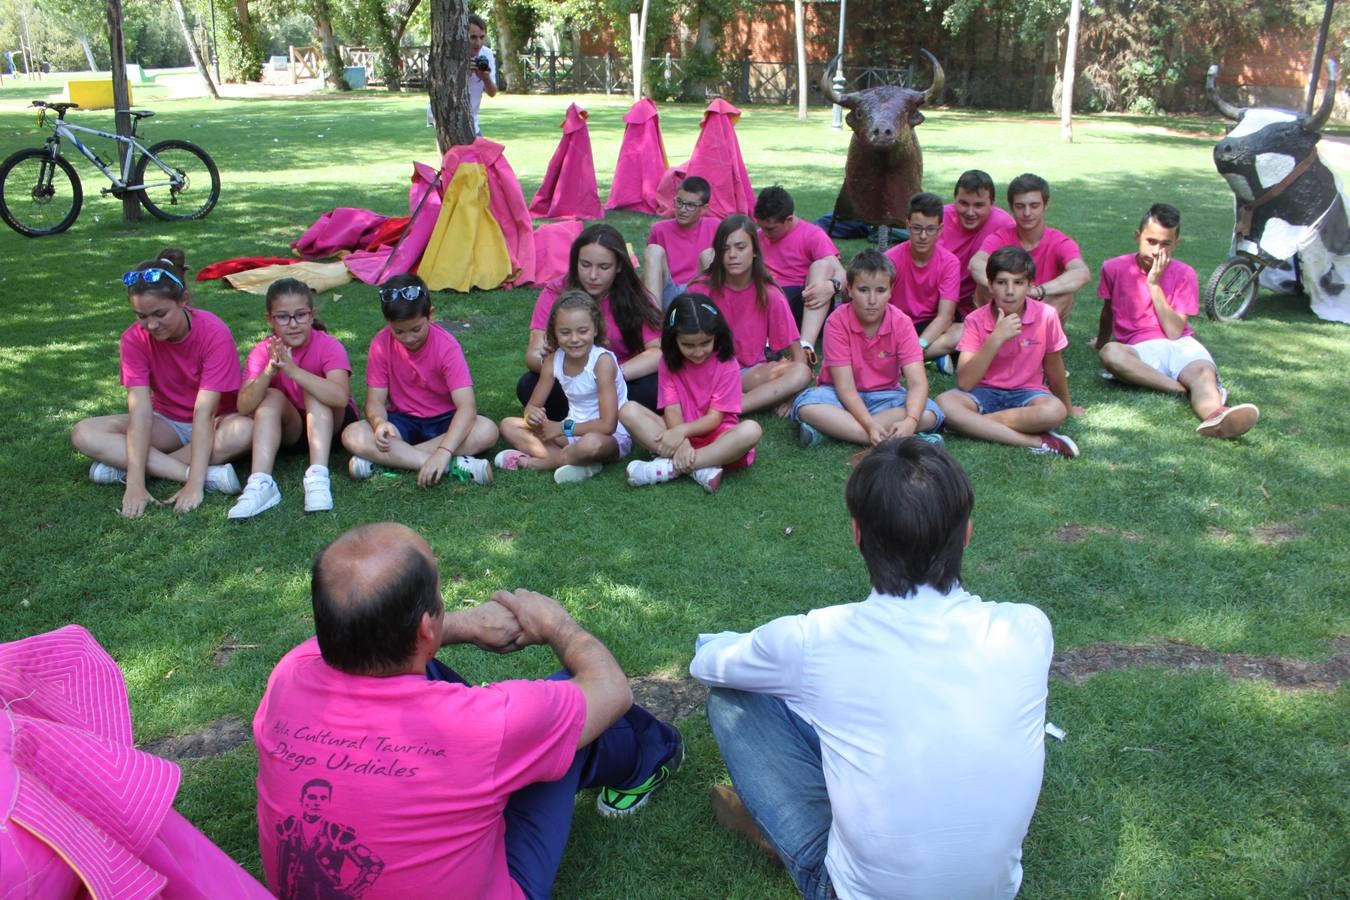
column 1229, row 293
column 40, row 193
column 178, row 181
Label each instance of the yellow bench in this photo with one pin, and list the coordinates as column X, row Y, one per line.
column 93, row 93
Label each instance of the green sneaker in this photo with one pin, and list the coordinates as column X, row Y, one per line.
column 613, row 802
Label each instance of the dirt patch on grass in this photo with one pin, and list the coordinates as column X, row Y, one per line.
column 1073, row 534
column 667, row 698
column 1081, row 663
column 221, row 736
column 1276, row 534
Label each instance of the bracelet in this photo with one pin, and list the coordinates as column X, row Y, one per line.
column 439, row 448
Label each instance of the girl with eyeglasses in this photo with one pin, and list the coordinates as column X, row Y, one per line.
column 297, row 389
column 421, row 413
column 181, row 371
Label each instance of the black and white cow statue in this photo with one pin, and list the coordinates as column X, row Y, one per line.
column 1288, row 203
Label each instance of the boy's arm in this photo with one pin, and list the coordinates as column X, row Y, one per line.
column 976, row 268
column 1076, row 274
column 916, row 397
column 1172, row 322
column 971, row 367
column 1057, row 379
column 1104, row 323
column 946, row 315
column 846, row 389
column 461, row 423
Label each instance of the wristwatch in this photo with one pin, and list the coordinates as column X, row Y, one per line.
column 923, row 343
column 568, row 425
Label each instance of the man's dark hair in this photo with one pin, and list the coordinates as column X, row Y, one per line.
column 375, row 633
column 973, row 181
column 1026, row 183
column 774, row 203
column 871, row 261
column 925, row 204
column 1010, row 259
column 1165, row 214
column 316, row 782
column 912, row 503
column 475, row 19
column 697, row 184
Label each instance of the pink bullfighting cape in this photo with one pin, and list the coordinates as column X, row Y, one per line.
column 339, row 229
column 568, row 189
column 716, row 157
column 82, row 811
column 642, row 161
column 424, row 204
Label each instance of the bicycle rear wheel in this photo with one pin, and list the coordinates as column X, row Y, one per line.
column 40, row 193
column 180, row 181
column 1229, row 293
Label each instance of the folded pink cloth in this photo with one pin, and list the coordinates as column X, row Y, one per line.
column 642, row 161
column 716, row 157
column 568, row 189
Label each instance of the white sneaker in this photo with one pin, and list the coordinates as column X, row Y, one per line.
column 102, row 473
column 222, row 478
column 511, row 460
column 260, row 494
column 318, row 489
column 709, row 478
column 573, row 474
column 655, row 471
column 360, row 468
column 479, row 469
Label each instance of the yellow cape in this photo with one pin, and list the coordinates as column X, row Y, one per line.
column 466, row 248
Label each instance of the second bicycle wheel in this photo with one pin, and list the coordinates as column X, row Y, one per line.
column 40, row 194
column 180, row 181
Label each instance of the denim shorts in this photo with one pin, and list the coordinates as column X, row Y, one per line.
column 991, row 400
column 416, row 429
column 875, row 401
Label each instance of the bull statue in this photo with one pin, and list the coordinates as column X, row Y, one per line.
column 1288, row 203
column 885, row 165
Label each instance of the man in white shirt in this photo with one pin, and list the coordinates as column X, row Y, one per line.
column 482, row 72
column 893, row 747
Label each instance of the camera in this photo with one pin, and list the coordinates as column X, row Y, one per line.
column 481, row 63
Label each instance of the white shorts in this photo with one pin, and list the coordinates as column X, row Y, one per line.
column 1170, row 357
column 182, row 429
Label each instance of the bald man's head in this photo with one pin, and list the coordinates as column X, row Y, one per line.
column 370, row 589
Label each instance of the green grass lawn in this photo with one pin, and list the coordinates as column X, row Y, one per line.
column 1176, row 783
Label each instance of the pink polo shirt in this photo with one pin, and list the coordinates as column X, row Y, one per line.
column 711, row 384
column 1019, row 363
column 613, row 337
column 918, row 289
column 683, row 245
column 876, row 361
column 752, row 328
column 1052, row 255
column 1133, row 318
column 319, row 355
column 419, row 383
column 392, row 785
column 204, row 360
column 789, row 258
column 964, row 244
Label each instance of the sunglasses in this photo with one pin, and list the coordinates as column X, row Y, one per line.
column 149, row 276
column 390, row 295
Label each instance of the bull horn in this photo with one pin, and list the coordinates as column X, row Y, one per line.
column 1211, row 88
column 848, row 101
column 1328, row 100
column 939, row 79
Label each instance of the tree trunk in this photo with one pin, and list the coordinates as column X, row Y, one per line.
column 448, row 72
column 508, row 51
column 332, row 58
column 131, row 203
column 244, row 53
column 88, row 52
column 1070, row 69
column 193, row 52
column 402, row 16
column 388, row 64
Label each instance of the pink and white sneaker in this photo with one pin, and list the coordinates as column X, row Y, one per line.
column 1230, row 421
column 642, row 473
column 708, row 478
column 511, row 460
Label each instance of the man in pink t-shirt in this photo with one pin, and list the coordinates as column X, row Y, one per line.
column 974, row 211
column 381, row 772
column 680, row 249
column 1010, row 351
column 1147, row 296
column 1060, row 269
column 802, row 259
column 927, row 278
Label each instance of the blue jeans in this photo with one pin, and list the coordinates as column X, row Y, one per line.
column 875, row 401
column 774, row 760
column 539, row 817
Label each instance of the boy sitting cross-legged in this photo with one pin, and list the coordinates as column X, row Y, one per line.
column 869, row 345
column 1010, row 351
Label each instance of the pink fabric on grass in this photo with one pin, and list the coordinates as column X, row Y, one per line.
column 568, row 189
column 374, row 266
column 342, row 229
column 642, row 161
column 716, row 157
column 553, row 249
column 75, row 795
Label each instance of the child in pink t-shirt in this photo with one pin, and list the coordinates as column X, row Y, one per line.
column 1009, row 352
column 421, row 413
column 803, row 260
column 679, row 249
column 700, row 432
column 927, row 279
column 869, row 346
column 181, row 371
column 297, row 388
column 758, row 316
column 968, row 220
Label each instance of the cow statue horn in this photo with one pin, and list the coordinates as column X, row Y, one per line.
column 848, row 101
column 939, row 79
column 1328, row 100
column 1228, row 109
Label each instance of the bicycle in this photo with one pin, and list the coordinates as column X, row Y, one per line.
column 40, row 192
column 1231, row 290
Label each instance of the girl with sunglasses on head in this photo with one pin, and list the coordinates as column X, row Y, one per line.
column 420, row 408
column 181, row 371
column 297, row 389
column 600, row 266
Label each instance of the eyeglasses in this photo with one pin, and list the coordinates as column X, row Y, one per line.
column 149, row 276
column 391, row 295
column 299, row 317
column 924, row 229
column 687, row 205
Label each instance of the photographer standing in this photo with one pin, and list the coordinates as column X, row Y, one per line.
column 482, row 72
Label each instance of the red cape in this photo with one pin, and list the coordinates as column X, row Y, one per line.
column 642, row 161
column 568, row 189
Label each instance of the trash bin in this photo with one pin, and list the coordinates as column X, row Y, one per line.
column 356, row 77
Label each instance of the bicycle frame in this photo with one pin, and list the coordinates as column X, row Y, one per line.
column 62, row 129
